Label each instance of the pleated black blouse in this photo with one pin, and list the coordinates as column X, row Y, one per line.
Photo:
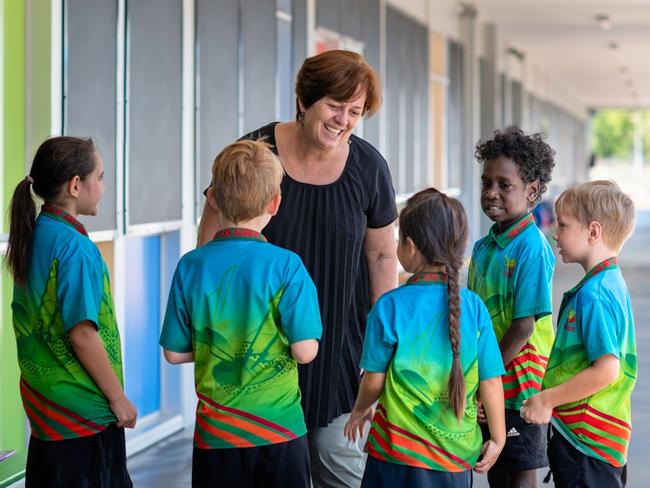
column 325, row 225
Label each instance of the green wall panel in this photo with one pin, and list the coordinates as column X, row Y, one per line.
column 12, row 167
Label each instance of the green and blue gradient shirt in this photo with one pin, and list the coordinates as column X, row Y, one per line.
column 407, row 338
column 67, row 283
column 512, row 272
column 596, row 319
column 238, row 303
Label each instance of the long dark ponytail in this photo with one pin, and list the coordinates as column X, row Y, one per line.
column 437, row 225
column 56, row 162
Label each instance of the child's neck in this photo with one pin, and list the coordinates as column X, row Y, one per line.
column 428, row 269
column 67, row 205
column 599, row 253
column 503, row 226
column 256, row 224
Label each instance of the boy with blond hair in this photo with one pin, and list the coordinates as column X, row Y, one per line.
column 592, row 368
column 245, row 312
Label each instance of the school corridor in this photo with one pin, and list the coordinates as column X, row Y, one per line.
column 162, row 85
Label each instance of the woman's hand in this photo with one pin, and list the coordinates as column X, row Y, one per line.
column 490, row 453
column 357, row 421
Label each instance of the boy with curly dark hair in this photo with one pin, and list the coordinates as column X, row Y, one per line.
column 512, row 271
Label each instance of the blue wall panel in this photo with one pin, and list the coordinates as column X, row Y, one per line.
column 142, row 323
column 170, row 245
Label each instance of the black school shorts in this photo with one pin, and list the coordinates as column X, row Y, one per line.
column 96, row 461
column 525, row 447
column 284, row 465
column 574, row 469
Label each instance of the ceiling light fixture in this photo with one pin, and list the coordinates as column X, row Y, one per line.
column 604, row 21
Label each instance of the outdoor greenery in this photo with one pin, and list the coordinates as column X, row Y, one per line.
column 613, row 133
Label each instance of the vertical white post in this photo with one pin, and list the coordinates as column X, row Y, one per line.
column 311, row 27
column 119, row 245
column 188, row 229
column 56, row 68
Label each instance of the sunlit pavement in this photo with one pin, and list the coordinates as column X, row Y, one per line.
column 168, row 464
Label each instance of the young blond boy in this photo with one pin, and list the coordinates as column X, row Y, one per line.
column 592, row 368
column 246, row 312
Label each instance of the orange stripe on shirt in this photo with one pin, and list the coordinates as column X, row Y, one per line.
column 410, row 444
column 594, row 422
column 404, row 458
column 606, row 441
column 50, row 413
column 49, row 432
column 223, row 435
column 242, row 424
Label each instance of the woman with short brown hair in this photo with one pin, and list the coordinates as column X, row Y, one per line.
column 337, row 214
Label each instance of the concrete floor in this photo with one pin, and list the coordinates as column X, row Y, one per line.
column 168, row 464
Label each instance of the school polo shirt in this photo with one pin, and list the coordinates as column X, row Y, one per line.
column 407, row 337
column 67, row 283
column 238, row 302
column 596, row 319
column 512, row 272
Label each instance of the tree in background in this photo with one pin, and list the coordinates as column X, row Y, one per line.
column 613, row 134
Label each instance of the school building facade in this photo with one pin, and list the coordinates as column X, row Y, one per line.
column 162, row 85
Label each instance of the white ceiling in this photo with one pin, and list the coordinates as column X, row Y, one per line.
column 564, row 38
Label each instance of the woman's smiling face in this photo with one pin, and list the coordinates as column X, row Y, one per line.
column 329, row 122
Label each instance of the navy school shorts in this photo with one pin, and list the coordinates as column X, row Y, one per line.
column 382, row 474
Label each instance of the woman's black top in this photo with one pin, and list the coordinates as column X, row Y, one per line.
column 326, row 225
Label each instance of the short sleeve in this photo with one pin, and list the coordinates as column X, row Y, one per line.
column 382, row 209
column 597, row 326
column 79, row 286
column 299, row 311
column 379, row 342
column 176, row 334
column 490, row 362
column 532, row 288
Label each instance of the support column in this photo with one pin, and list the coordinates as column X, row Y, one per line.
column 470, row 171
column 490, row 83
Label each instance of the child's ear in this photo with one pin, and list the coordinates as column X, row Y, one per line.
column 72, row 187
column 533, row 191
column 274, row 205
column 211, row 200
column 595, row 232
column 410, row 247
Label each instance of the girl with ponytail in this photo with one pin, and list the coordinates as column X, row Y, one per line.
column 429, row 349
column 67, row 338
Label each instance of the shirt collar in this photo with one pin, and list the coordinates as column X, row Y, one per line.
column 427, row 278
column 58, row 214
column 609, row 263
column 504, row 238
column 239, row 233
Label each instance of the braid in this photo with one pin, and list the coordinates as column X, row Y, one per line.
column 456, row 382
column 437, row 225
